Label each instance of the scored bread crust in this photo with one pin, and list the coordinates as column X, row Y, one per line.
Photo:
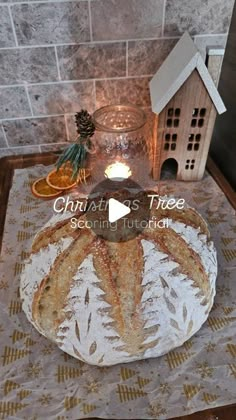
column 107, row 303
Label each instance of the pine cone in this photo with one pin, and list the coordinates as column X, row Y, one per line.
column 85, row 125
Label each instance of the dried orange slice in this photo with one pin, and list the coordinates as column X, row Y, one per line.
column 84, row 173
column 61, row 179
column 41, row 189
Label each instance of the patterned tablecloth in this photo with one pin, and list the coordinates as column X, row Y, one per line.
column 39, row 381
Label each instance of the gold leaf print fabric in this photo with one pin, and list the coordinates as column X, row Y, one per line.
column 38, row 381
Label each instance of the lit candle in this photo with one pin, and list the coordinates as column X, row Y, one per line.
column 118, row 171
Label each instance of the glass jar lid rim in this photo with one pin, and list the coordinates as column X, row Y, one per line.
column 134, row 109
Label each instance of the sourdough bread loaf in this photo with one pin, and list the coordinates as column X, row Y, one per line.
column 107, row 303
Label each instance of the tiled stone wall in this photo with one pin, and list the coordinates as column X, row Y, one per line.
column 59, row 56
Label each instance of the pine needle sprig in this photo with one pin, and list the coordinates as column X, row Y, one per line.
column 76, row 153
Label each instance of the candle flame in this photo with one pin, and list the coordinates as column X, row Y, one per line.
column 118, row 171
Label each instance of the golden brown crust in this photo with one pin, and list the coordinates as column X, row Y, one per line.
column 50, row 298
column 52, row 234
column 120, row 268
column 188, row 216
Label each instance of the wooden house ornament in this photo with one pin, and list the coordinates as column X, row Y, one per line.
column 185, row 101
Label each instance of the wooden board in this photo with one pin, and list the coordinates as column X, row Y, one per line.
column 10, row 163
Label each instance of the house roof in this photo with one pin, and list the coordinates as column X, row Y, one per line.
column 175, row 70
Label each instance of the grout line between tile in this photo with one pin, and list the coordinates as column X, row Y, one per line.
column 209, row 35
column 163, row 18
column 13, row 26
column 51, row 144
column 102, row 79
column 114, row 41
column 14, row 3
column 30, row 117
column 28, row 97
column 67, row 130
column 26, row 146
column 94, row 93
column 127, row 58
column 5, row 136
column 90, row 21
column 57, row 62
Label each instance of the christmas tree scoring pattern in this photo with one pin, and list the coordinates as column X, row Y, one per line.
column 142, row 381
column 71, row 402
column 67, row 357
column 11, row 355
column 30, row 199
column 127, row 393
column 8, row 408
column 217, row 323
column 231, row 348
column 15, row 307
column 24, row 255
column 26, row 209
column 191, row 390
column 67, row 372
column 233, row 369
column 127, row 373
column 18, row 335
column 214, row 221
column 22, row 236
column 188, row 345
column 229, row 254
column 88, row 408
column 209, row 398
column 227, row 310
column 24, row 393
column 9, row 386
column 29, row 342
column 26, row 224
column 175, row 358
column 18, row 268
column 226, row 241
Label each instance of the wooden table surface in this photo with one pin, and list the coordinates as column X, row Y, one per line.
column 10, row 163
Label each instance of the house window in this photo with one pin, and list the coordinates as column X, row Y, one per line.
column 173, row 115
column 176, row 122
column 198, row 117
column 201, row 122
column 190, row 163
column 193, row 142
column 170, row 141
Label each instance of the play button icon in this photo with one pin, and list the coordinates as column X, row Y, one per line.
column 116, row 210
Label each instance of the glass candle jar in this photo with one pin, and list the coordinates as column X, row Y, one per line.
column 121, row 138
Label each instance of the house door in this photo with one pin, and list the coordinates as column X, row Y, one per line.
column 169, row 169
